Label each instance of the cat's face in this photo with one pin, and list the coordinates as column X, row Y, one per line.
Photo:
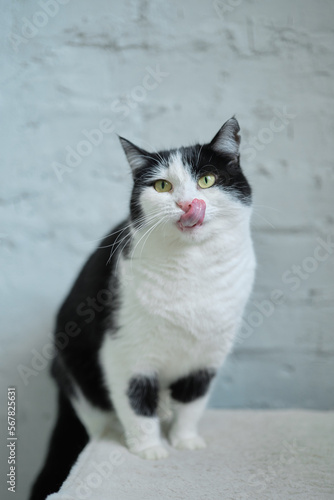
column 193, row 192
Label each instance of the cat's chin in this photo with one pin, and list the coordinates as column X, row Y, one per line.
column 195, row 234
column 188, row 229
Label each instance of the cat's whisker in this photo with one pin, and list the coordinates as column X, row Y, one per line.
column 199, row 154
column 267, row 206
column 164, row 219
column 133, row 252
column 147, row 234
column 119, row 256
column 120, row 231
column 135, row 231
column 119, row 243
column 126, row 241
column 129, row 235
column 164, row 225
column 129, row 225
column 158, row 301
column 147, row 218
column 150, row 157
column 210, row 165
column 155, row 151
column 110, row 234
column 262, row 217
column 112, row 244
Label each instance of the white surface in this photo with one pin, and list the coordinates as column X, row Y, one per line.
column 250, row 455
column 249, row 58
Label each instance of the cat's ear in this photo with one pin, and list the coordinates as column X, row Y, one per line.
column 227, row 139
column 135, row 155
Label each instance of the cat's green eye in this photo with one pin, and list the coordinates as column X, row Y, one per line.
column 162, row 186
column 206, row 181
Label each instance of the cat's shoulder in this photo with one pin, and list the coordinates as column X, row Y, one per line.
column 95, row 274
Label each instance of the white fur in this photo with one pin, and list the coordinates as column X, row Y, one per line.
column 96, row 422
column 182, row 298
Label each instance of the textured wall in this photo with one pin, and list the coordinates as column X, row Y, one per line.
column 167, row 74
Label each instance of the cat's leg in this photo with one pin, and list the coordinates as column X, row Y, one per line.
column 136, row 403
column 189, row 396
column 96, row 421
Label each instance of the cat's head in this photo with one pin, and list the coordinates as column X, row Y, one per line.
column 193, row 191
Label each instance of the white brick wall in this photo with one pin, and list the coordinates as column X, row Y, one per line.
column 73, row 68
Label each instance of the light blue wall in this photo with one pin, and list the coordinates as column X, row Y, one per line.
column 66, row 71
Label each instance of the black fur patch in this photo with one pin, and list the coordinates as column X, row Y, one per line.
column 193, row 386
column 61, row 374
column 82, row 321
column 69, row 437
column 143, row 178
column 203, row 160
column 143, row 394
column 90, row 307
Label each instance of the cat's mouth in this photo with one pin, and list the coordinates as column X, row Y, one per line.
column 193, row 216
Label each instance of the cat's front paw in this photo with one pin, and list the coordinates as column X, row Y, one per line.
column 188, row 443
column 152, row 453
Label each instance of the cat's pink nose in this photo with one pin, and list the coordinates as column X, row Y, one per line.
column 184, row 205
column 194, row 213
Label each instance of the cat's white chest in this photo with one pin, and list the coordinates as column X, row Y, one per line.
column 182, row 311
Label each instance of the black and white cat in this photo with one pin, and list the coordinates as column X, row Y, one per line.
column 155, row 309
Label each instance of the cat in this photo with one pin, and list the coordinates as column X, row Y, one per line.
column 154, row 311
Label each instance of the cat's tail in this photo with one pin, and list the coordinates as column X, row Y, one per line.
column 68, row 439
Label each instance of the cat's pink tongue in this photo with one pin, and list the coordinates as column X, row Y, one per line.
column 194, row 216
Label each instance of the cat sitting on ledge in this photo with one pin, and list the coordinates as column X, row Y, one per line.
column 173, row 280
